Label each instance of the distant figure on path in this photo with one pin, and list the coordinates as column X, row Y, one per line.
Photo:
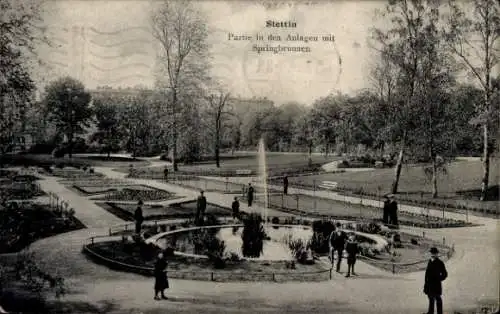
column 165, row 174
column 387, row 208
column 393, row 211
column 161, row 279
column 434, row 275
column 250, row 193
column 236, row 208
column 352, row 250
column 337, row 243
column 201, row 206
column 285, row 185
column 139, row 218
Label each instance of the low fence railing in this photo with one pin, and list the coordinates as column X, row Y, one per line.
column 391, row 266
column 394, row 266
column 215, row 275
column 417, row 199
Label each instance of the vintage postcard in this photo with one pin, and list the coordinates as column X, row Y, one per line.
column 176, row 156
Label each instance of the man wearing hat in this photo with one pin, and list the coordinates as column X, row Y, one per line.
column 434, row 275
column 138, row 216
column 387, row 206
column 337, row 244
column 393, row 210
column 201, row 206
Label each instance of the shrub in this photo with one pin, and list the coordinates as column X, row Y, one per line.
column 299, row 250
column 233, row 257
column 212, row 220
column 321, row 233
column 206, row 242
column 34, row 279
column 148, row 251
column 275, row 221
column 370, row 227
column 253, row 235
column 343, row 164
column 42, row 148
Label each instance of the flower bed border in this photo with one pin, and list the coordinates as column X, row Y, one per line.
column 227, row 276
column 218, row 276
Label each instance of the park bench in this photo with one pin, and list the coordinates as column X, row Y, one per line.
column 243, row 172
column 328, row 185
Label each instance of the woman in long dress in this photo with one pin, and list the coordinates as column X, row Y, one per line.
column 161, row 279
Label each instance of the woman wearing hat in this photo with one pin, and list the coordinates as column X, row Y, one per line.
column 161, row 280
column 434, row 275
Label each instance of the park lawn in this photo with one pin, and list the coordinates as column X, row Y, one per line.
column 461, row 176
column 274, row 161
column 322, row 207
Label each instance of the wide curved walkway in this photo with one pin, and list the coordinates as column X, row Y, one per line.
column 473, row 275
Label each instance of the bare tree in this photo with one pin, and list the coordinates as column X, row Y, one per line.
column 182, row 32
column 218, row 111
column 473, row 38
column 383, row 78
column 404, row 45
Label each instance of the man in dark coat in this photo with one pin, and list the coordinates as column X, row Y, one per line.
column 161, row 279
column 352, row 250
column 387, row 208
column 393, row 212
column 434, row 275
column 236, row 208
column 250, row 193
column 139, row 218
column 285, row 185
column 337, row 243
column 201, row 206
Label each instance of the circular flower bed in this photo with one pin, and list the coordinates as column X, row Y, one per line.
column 214, row 263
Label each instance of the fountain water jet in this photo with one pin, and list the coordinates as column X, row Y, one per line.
column 263, row 175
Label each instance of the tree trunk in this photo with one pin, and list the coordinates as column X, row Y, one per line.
column 382, row 147
column 174, row 152
column 434, row 177
column 217, row 144
column 398, row 168
column 174, row 131
column 486, row 164
column 70, row 146
column 310, row 155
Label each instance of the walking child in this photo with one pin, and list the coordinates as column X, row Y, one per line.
column 352, row 249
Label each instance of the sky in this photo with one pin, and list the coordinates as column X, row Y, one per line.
column 109, row 43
